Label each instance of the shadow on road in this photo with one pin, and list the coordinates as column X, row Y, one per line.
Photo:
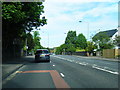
column 21, row 60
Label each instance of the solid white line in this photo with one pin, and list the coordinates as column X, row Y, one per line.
column 94, row 66
column 53, row 65
column 105, row 70
column 62, row 75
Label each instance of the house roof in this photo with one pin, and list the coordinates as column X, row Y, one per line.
column 109, row 33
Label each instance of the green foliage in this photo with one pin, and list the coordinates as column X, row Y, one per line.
column 117, row 41
column 36, row 39
column 90, row 46
column 103, row 41
column 58, row 50
column 71, row 37
column 19, row 17
column 70, row 48
column 12, row 11
column 72, row 42
column 30, row 42
column 25, row 13
column 81, row 41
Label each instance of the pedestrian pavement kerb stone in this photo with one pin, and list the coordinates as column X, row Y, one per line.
column 10, row 67
column 100, row 58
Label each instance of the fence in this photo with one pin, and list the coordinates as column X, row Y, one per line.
column 111, row 53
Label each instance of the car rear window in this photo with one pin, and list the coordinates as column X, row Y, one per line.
column 41, row 51
column 45, row 51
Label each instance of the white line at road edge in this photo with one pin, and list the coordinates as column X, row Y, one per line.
column 53, row 65
column 105, row 70
column 94, row 66
column 62, row 75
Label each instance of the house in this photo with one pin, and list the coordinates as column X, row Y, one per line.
column 110, row 33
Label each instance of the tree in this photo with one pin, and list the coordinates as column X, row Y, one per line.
column 71, row 37
column 103, row 41
column 81, row 41
column 90, row 47
column 17, row 18
column 30, row 42
column 36, row 39
column 70, row 48
column 70, row 42
column 117, row 41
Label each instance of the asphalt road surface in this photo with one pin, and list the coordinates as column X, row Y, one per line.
column 65, row 72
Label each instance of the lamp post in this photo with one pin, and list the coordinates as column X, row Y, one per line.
column 26, row 42
column 87, row 33
column 87, row 29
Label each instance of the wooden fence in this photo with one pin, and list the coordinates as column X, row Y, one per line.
column 111, row 53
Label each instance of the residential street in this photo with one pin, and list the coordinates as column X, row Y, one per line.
column 65, row 72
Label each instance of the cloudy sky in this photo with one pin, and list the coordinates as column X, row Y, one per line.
column 64, row 15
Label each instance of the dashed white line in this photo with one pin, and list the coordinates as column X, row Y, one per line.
column 94, row 66
column 53, row 65
column 62, row 75
column 105, row 70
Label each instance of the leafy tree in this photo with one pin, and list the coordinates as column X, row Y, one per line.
column 70, row 42
column 58, row 50
column 117, row 41
column 90, row 46
column 71, row 37
column 30, row 42
column 17, row 18
column 103, row 41
column 70, row 48
column 81, row 41
column 36, row 39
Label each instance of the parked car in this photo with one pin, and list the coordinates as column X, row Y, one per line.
column 42, row 55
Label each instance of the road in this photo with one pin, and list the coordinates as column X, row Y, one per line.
column 65, row 72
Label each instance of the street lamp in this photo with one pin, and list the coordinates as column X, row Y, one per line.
column 87, row 29
column 26, row 42
column 87, row 33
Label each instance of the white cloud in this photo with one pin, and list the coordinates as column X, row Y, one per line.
column 81, row 1
column 63, row 15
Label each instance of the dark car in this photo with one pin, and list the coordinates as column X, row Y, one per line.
column 42, row 55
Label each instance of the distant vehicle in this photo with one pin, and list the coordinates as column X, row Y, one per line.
column 30, row 53
column 42, row 55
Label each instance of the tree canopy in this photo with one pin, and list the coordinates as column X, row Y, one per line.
column 17, row 18
column 117, row 41
column 71, row 37
column 81, row 41
column 103, row 41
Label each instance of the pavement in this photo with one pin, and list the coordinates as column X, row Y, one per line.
column 99, row 58
column 10, row 67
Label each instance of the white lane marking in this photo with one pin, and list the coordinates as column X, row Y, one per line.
column 102, row 69
column 53, row 65
column 94, row 66
column 83, row 63
column 62, row 75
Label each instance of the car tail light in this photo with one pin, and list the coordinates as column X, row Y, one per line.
column 47, row 55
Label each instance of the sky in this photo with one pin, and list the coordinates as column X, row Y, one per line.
column 64, row 15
